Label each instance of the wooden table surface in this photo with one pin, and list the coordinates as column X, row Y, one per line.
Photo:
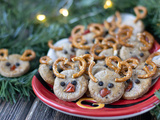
column 37, row 110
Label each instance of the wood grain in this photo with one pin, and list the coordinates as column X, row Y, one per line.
column 37, row 110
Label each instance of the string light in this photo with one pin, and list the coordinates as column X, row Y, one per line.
column 41, row 17
column 64, row 12
column 107, row 4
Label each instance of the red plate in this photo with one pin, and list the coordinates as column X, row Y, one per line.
column 118, row 110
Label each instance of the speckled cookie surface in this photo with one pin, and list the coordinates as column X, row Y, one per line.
column 128, row 19
column 135, row 52
column 46, row 73
column 140, row 86
column 107, row 52
column 107, row 77
column 13, row 61
column 80, row 87
column 98, row 67
column 141, row 65
column 67, row 51
column 89, row 37
column 82, row 51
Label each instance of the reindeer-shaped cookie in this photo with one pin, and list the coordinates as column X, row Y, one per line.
column 15, row 65
column 45, row 69
column 70, row 84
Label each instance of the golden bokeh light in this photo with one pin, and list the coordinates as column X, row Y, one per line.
column 64, row 12
column 41, row 17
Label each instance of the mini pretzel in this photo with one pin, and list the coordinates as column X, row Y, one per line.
column 149, row 73
column 153, row 55
column 108, row 61
column 98, row 40
column 90, row 72
column 96, row 28
column 78, row 42
column 63, row 65
column 140, row 15
column 134, row 63
column 45, row 60
column 3, row 54
column 28, row 55
column 78, row 30
column 112, row 42
column 50, row 45
column 126, row 28
column 128, row 74
column 88, row 58
column 92, row 51
column 119, row 19
column 55, row 67
column 113, row 24
column 110, row 25
column 147, row 39
column 82, row 68
column 123, row 40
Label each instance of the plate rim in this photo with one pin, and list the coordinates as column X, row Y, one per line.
column 85, row 116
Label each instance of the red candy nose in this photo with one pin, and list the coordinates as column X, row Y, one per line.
column 13, row 67
column 70, row 88
column 104, row 92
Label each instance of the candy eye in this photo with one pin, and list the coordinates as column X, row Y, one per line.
column 100, row 83
column 50, row 67
column 86, row 52
column 137, row 81
column 96, row 53
column 110, row 85
column 105, row 66
column 62, row 84
column 141, row 54
column 74, row 82
column 128, row 81
column 54, row 76
column 145, row 64
column 17, row 64
column 93, row 40
column 8, row 64
column 65, row 51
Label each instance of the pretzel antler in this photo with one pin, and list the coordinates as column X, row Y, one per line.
column 28, row 55
column 3, row 54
